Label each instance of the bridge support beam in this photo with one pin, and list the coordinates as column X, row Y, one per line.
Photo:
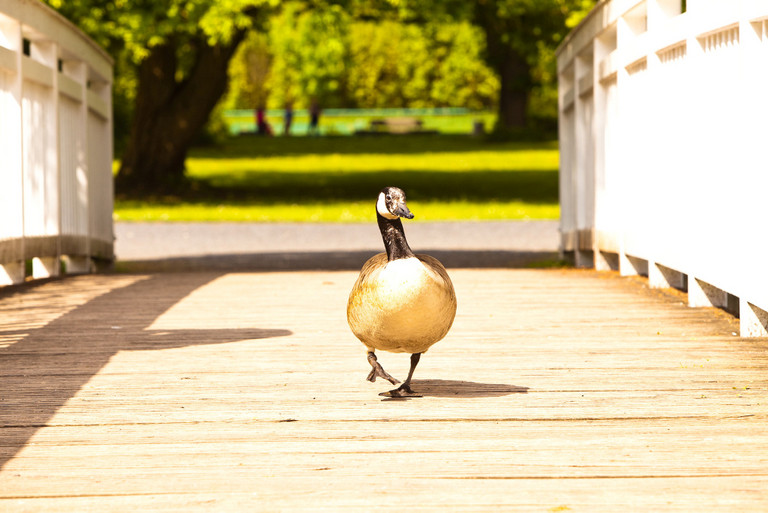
column 753, row 320
column 45, row 267
column 702, row 294
column 606, row 261
column 661, row 277
column 12, row 273
column 77, row 264
column 631, row 266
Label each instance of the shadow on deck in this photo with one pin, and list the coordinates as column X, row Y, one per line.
column 45, row 367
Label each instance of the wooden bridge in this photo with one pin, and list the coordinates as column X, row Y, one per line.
column 556, row 390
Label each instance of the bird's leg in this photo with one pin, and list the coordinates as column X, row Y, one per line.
column 404, row 390
column 378, row 371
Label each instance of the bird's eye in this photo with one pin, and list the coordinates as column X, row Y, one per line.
column 389, row 197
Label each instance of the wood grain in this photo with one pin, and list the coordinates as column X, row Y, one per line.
column 556, row 390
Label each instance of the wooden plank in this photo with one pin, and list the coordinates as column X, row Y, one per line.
column 422, row 494
column 554, row 390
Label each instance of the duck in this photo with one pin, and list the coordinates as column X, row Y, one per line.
column 401, row 302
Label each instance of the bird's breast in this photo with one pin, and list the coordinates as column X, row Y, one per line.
column 402, row 306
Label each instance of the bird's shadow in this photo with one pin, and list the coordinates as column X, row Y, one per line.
column 459, row 389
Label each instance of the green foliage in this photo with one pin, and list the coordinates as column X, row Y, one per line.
column 348, row 53
column 129, row 29
column 394, row 64
column 578, row 10
column 543, row 96
column 463, row 79
column 309, row 50
column 362, row 64
column 520, row 37
column 249, row 72
column 136, row 26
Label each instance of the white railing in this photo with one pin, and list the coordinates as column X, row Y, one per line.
column 55, row 145
column 664, row 148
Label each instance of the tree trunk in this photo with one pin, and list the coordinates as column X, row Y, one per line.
column 510, row 64
column 169, row 115
column 515, row 74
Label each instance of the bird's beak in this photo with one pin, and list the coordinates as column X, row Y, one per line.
column 402, row 210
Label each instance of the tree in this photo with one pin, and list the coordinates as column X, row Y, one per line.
column 397, row 64
column 520, row 39
column 249, row 72
column 178, row 51
column 520, row 35
column 308, row 43
column 172, row 59
column 462, row 78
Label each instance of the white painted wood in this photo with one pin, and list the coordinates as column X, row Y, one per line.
column 73, row 139
column 661, row 277
column 45, row 267
column 663, row 151
column 8, row 60
column 49, row 96
column 11, row 273
column 11, row 197
column 631, row 266
column 754, row 321
column 77, row 265
column 606, row 261
column 701, row 293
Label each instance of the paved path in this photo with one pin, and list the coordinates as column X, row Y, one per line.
column 258, row 246
column 556, row 390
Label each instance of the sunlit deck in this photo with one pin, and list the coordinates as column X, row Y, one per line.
column 556, row 390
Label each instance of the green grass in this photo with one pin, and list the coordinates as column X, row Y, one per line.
column 336, row 179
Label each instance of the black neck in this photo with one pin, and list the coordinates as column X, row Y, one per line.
column 394, row 238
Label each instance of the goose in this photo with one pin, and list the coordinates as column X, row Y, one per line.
column 401, row 302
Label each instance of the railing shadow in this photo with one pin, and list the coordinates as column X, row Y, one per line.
column 49, row 365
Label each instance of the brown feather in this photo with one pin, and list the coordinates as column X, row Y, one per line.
column 404, row 305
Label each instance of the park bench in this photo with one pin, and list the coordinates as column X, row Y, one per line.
column 400, row 125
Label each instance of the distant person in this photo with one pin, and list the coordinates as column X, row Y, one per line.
column 287, row 119
column 262, row 127
column 314, row 118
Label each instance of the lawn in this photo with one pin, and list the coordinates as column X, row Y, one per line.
column 336, row 179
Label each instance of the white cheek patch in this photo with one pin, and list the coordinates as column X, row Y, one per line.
column 381, row 207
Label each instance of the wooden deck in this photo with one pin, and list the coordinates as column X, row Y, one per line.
column 556, row 390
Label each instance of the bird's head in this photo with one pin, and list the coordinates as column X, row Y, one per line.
column 391, row 204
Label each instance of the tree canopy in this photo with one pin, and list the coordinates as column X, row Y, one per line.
column 171, row 67
column 361, row 63
column 173, row 62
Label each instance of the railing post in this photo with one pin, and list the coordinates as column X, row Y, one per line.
column 42, row 223
column 12, row 267
column 74, row 167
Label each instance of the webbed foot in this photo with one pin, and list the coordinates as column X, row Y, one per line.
column 403, row 390
column 378, row 371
